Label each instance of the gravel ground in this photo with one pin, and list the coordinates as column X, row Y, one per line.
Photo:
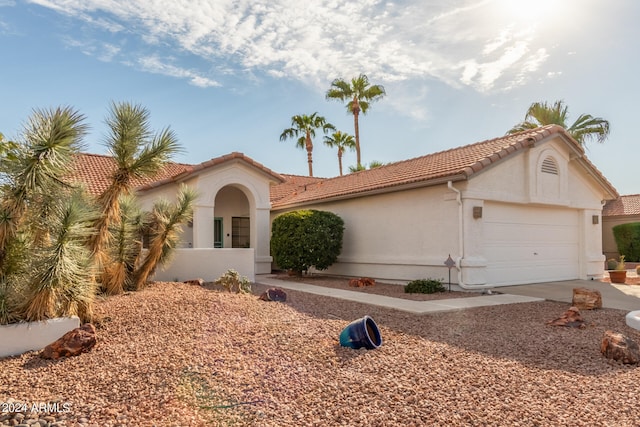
column 182, row 355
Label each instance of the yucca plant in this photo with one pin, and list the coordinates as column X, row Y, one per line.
column 36, row 167
column 138, row 153
column 61, row 279
column 165, row 227
column 125, row 249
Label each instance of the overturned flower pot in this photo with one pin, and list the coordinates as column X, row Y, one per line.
column 361, row 333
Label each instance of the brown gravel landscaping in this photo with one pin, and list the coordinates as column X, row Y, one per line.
column 182, row 355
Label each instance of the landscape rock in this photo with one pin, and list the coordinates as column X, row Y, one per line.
column 619, row 347
column 73, row 343
column 586, row 299
column 274, row 294
column 199, row 282
column 571, row 318
column 361, row 282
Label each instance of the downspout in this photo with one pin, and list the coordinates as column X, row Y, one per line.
column 461, row 242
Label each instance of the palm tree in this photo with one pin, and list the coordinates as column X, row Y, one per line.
column 341, row 141
column 372, row 165
column 165, row 230
column 359, row 94
column 137, row 154
column 584, row 128
column 304, row 128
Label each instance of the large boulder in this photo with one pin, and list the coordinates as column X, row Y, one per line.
column 586, row 299
column 619, row 347
column 73, row 343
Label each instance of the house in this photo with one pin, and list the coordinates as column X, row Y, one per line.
column 231, row 218
column 522, row 208
column 622, row 210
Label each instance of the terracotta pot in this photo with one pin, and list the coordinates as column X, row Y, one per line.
column 618, row 276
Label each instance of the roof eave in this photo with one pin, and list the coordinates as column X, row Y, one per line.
column 388, row 189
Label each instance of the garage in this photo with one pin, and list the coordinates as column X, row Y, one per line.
column 530, row 244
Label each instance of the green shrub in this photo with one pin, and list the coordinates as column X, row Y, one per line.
column 628, row 240
column 306, row 238
column 424, row 286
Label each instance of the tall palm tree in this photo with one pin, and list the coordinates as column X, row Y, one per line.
column 341, row 141
column 584, row 128
column 137, row 154
column 304, row 128
column 359, row 94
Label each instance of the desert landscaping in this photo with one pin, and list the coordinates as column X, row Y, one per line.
column 176, row 354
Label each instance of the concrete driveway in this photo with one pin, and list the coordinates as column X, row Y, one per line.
column 623, row 297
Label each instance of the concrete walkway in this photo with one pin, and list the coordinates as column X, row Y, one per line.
column 623, row 297
column 416, row 307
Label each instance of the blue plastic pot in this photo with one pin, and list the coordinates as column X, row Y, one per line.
column 361, row 333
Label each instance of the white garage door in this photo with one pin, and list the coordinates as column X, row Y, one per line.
column 526, row 244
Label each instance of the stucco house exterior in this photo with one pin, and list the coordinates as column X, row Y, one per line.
column 523, row 208
column 622, row 210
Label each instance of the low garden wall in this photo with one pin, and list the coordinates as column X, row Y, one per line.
column 205, row 263
column 18, row 338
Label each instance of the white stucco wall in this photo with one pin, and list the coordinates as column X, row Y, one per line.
column 518, row 184
column 241, row 190
column 208, row 264
column 398, row 236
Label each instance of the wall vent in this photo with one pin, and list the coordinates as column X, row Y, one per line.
column 549, row 166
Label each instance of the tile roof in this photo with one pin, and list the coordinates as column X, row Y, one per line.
column 623, row 205
column 95, row 170
column 454, row 164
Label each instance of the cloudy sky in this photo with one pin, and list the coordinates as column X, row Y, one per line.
column 227, row 75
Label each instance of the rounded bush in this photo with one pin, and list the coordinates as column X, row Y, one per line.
column 306, row 238
column 424, row 286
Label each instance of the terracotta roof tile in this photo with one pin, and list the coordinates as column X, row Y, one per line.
column 623, row 205
column 454, row 164
column 95, row 170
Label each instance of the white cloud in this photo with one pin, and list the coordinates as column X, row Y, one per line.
column 154, row 64
column 459, row 42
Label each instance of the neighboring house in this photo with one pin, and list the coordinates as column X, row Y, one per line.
column 623, row 210
column 523, row 208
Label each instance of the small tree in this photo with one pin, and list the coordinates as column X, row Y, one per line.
column 306, row 238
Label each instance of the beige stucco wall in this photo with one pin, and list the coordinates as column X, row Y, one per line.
column 398, row 236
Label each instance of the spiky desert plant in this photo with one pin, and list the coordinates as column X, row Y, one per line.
column 165, row 228
column 37, row 167
column 125, row 248
column 138, row 153
column 61, row 281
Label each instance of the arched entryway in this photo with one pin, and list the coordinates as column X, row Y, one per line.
column 232, row 219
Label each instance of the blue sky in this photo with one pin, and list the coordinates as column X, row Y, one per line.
column 227, row 75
